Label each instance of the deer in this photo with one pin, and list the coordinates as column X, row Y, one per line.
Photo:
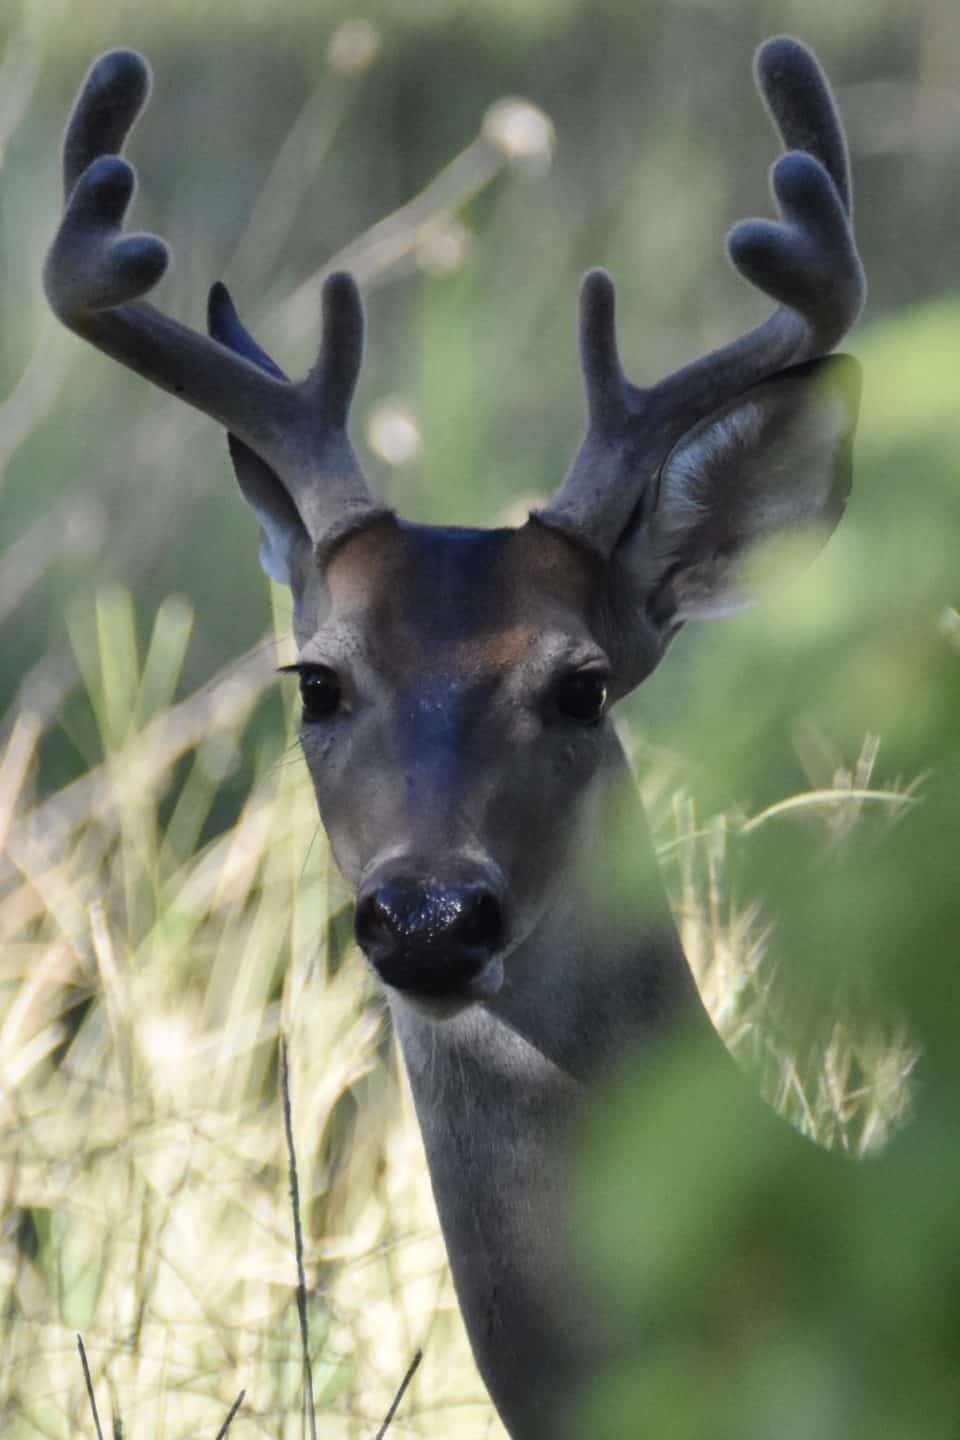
column 458, row 684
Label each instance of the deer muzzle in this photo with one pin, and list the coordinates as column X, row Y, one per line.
column 437, row 939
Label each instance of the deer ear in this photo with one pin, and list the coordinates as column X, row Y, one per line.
column 283, row 536
column 774, row 462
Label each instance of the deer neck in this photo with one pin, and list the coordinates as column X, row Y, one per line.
column 498, row 1087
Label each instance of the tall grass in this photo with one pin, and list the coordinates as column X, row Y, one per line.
column 146, row 980
column 148, row 969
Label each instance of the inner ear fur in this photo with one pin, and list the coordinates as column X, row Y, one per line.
column 775, row 461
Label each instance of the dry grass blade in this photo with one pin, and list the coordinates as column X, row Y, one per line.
column 89, row 1383
column 824, row 799
column 230, row 1414
column 298, row 1237
column 411, row 1371
column 178, row 729
column 14, row 768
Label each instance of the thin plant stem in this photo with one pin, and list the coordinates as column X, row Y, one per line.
column 90, row 1395
column 411, row 1371
column 230, row 1414
column 298, row 1237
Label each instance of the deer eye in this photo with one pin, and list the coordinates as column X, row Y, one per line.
column 320, row 692
column 582, row 696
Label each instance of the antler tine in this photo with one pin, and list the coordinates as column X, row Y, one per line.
column 333, row 379
column 226, row 327
column 95, row 275
column 809, row 262
column 110, row 101
column 801, row 105
column 589, row 507
column 604, row 381
column 328, row 390
column 806, row 261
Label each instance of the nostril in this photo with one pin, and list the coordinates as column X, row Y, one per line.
column 377, row 921
column 480, row 922
column 404, row 913
column 432, row 939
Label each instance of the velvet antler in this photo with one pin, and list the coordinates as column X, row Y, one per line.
column 806, row 260
column 95, row 274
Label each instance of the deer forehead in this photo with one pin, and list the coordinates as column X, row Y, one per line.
column 472, row 602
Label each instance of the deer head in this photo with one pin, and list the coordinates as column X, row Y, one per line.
column 457, row 684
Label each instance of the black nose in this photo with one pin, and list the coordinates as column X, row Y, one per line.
column 429, row 939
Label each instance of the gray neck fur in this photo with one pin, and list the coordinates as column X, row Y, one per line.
column 499, row 1088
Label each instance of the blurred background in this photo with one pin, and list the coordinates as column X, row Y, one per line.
column 166, row 900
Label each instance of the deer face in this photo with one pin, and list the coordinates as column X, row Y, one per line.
column 455, row 699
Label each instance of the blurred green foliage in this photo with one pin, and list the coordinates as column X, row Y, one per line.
column 762, row 1286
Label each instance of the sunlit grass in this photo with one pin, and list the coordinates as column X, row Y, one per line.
column 144, row 1174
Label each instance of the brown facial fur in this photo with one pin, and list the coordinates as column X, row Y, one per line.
column 447, row 752
column 478, row 599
